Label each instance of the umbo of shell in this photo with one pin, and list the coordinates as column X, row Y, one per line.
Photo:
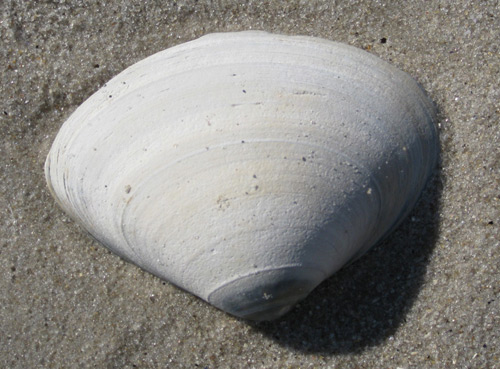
column 246, row 167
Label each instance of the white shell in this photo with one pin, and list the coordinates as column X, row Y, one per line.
column 246, row 167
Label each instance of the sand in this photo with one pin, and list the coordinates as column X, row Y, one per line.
column 426, row 297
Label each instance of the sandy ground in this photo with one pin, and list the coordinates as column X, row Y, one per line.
column 427, row 297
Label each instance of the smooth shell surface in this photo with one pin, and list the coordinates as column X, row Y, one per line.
column 246, row 167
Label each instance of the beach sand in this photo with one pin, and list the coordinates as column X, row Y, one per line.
column 426, row 297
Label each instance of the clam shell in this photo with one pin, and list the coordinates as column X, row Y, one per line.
column 246, row 167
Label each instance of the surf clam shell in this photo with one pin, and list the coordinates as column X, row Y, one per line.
column 246, row 167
